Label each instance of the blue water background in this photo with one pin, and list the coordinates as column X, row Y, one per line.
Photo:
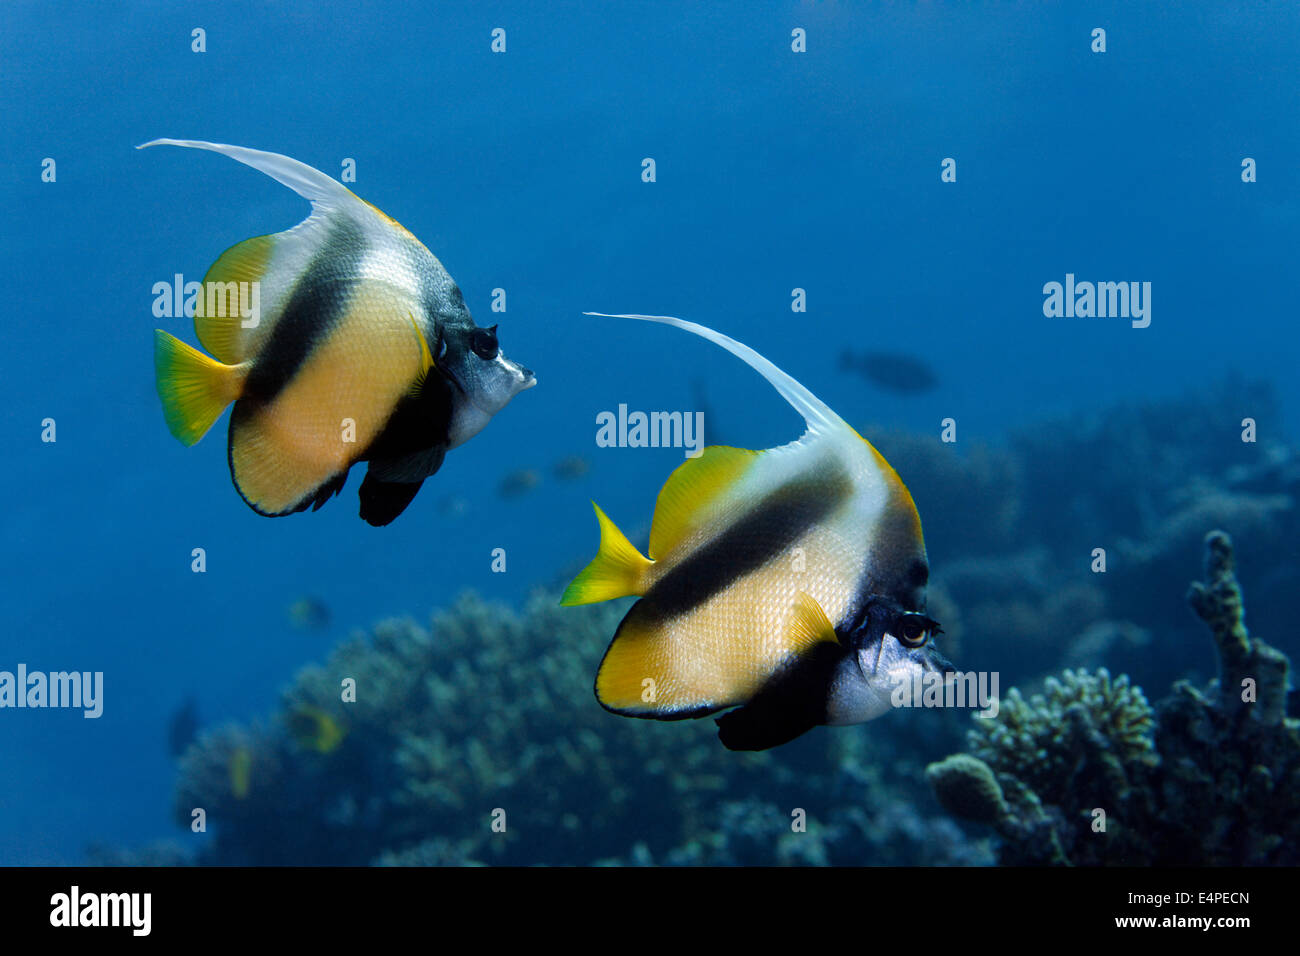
column 775, row 170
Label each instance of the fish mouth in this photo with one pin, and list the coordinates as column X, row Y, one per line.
column 933, row 661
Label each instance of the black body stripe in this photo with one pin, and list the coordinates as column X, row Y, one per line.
column 318, row 301
column 772, row 527
column 416, row 424
column 791, row 703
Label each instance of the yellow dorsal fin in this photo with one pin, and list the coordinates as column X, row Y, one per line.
column 690, row 489
column 224, row 335
column 618, row 569
column 194, row 388
column 809, row 625
column 426, row 359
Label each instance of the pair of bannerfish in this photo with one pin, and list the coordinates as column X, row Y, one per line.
column 784, row 586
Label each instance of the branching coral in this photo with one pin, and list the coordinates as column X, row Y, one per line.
column 479, row 741
column 1089, row 778
column 1250, row 671
column 1040, row 740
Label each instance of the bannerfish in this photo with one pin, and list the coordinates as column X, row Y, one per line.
column 788, row 583
column 894, row 371
column 353, row 345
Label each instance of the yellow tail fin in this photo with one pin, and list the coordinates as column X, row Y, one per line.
column 194, row 388
column 618, row 569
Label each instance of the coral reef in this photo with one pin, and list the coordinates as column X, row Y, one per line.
column 968, row 788
column 1243, row 660
column 478, row 741
column 487, row 708
column 1087, row 774
column 1039, row 740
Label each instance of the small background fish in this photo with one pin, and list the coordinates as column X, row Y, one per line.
column 892, row 370
column 239, row 766
column 309, row 614
column 183, row 726
column 571, row 468
column 519, row 483
column 315, row 729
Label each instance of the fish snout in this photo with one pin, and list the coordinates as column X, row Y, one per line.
column 932, row 660
column 522, row 378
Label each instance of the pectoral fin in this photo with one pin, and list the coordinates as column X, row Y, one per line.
column 426, row 362
column 809, row 625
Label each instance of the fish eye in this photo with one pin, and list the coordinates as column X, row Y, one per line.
column 483, row 342
column 915, row 629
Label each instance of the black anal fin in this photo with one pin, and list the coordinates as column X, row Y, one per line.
column 390, row 484
column 792, row 703
column 382, row 501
